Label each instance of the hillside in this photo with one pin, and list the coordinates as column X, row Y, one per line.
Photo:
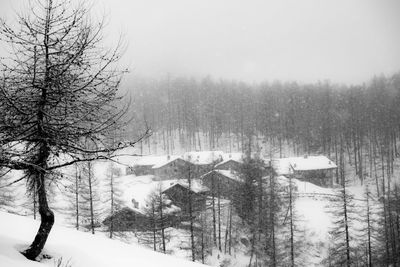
column 80, row 249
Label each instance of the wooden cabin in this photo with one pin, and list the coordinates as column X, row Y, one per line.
column 222, row 182
column 178, row 193
column 128, row 219
column 150, row 165
column 231, row 161
column 318, row 170
column 172, row 168
column 229, row 164
column 203, row 161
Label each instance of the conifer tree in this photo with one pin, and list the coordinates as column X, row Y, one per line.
column 342, row 252
column 162, row 215
column 112, row 195
column 73, row 196
column 90, row 202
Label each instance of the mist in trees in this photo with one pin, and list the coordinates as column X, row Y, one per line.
column 209, row 114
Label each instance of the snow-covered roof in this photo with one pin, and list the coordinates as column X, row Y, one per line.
column 196, row 186
column 237, row 157
column 166, row 160
column 148, row 160
column 139, row 188
column 228, row 174
column 194, row 157
column 307, row 163
column 203, row 157
column 154, row 161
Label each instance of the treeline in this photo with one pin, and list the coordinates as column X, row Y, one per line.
column 308, row 118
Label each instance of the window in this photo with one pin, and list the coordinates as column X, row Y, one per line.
column 135, row 203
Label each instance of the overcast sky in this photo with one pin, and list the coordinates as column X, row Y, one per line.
column 345, row 41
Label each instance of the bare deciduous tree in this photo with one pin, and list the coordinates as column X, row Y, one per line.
column 59, row 88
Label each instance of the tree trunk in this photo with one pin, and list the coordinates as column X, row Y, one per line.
column 230, row 228
column 190, row 204
column 112, row 202
column 77, row 178
column 346, row 225
column 162, row 221
column 219, row 217
column 91, row 197
column 369, row 250
column 226, row 231
column 202, row 247
column 34, row 203
column 213, row 210
column 46, row 215
column 291, row 224
column 154, row 227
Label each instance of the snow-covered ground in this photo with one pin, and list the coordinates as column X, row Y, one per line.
column 84, row 249
column 77, row 248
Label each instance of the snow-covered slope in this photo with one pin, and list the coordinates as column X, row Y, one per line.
column 80, row 249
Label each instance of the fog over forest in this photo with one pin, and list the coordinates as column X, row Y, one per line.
column 305, row 41
column 190, row 133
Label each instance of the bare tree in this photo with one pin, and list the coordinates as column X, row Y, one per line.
column 58, row 89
